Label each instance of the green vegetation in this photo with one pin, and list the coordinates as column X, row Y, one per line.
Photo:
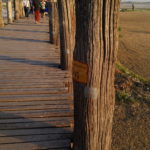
column 127, row 72
column 131, row 94
column 119, row 29
column 128, row 98
column 122, row 96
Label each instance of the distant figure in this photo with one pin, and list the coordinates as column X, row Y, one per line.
column 31, row 6
column 46, row 9
column 26, row 4
column 42, row 8
column 36, row 5
column 133, row 7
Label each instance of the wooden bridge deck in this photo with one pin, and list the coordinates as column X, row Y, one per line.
column 35, row 105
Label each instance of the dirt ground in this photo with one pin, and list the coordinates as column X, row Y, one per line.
column 131, row 125
column 131, row 129
column 134, row 47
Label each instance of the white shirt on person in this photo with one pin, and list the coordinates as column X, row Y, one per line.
column 26, row 3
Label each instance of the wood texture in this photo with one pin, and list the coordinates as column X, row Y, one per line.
column 96, row 47
column 1, row 15
column 9, row 11
column 67, row 26
column 53, row 23
column 21, row 9
column 36, row 109
column 16, row 9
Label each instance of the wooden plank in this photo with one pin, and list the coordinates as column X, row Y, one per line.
column 52, row 110
column 33, row 91
column 35, row 124
column 27, row 120
column 36, row 103
column 31, row 86
column 36, row 145
column 35, row 106
column 36, row 131
column 34, row 97
column 38, row 107
column 39, row 114
column 33, row 138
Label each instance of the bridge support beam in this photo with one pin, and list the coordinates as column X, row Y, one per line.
column 67, row 27
column 1, row 14
column 53, row 23
column 21, row 10
column 9, row 11
column 16, row 9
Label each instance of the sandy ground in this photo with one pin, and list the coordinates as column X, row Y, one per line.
column 134, row 48
column 131, row 124
column 131, row 127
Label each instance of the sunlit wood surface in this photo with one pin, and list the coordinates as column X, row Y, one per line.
column 35, row 105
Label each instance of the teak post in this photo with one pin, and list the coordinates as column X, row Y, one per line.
column 93, row 73
column 17, row 9
column 21, row 10
column 1, row 14
column 9, row 11
column 67, row 28
column 53, row 23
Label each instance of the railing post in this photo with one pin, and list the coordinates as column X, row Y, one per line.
column 67, row 28
column 1, row 14
column 53, row 23
column 9, row 11
column 93, row 73
column 21, row 12
column 16, row 9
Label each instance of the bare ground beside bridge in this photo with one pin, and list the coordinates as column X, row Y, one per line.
column 134, row 48
column 132, row 110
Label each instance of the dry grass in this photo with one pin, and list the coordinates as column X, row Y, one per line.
column 134, row 48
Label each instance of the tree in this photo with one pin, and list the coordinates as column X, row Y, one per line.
column 66, row 9
column 93, row 73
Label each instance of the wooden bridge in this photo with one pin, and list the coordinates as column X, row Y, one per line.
column 35, row 103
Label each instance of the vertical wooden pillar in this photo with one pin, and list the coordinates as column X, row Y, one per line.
column 9, row 11
column 93, row 73
column 1, row 14
column 16, row 9
column 53, row 23
column 67, row 28
column 21, row 14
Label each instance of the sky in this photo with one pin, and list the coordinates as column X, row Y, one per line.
column 136, row 0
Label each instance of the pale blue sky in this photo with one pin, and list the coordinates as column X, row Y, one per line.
column 136, row 0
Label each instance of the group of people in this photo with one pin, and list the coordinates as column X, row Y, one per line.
column 38, row 7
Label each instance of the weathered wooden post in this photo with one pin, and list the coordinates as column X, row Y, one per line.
column 1, row 14
column 9, row 11
column 53, row 23
column 93, row 73
column 16, row 9
column 67, row 28
column 21, row 12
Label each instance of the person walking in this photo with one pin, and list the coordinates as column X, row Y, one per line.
column 36, row 5
column 42, row 8
column 26, row 4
